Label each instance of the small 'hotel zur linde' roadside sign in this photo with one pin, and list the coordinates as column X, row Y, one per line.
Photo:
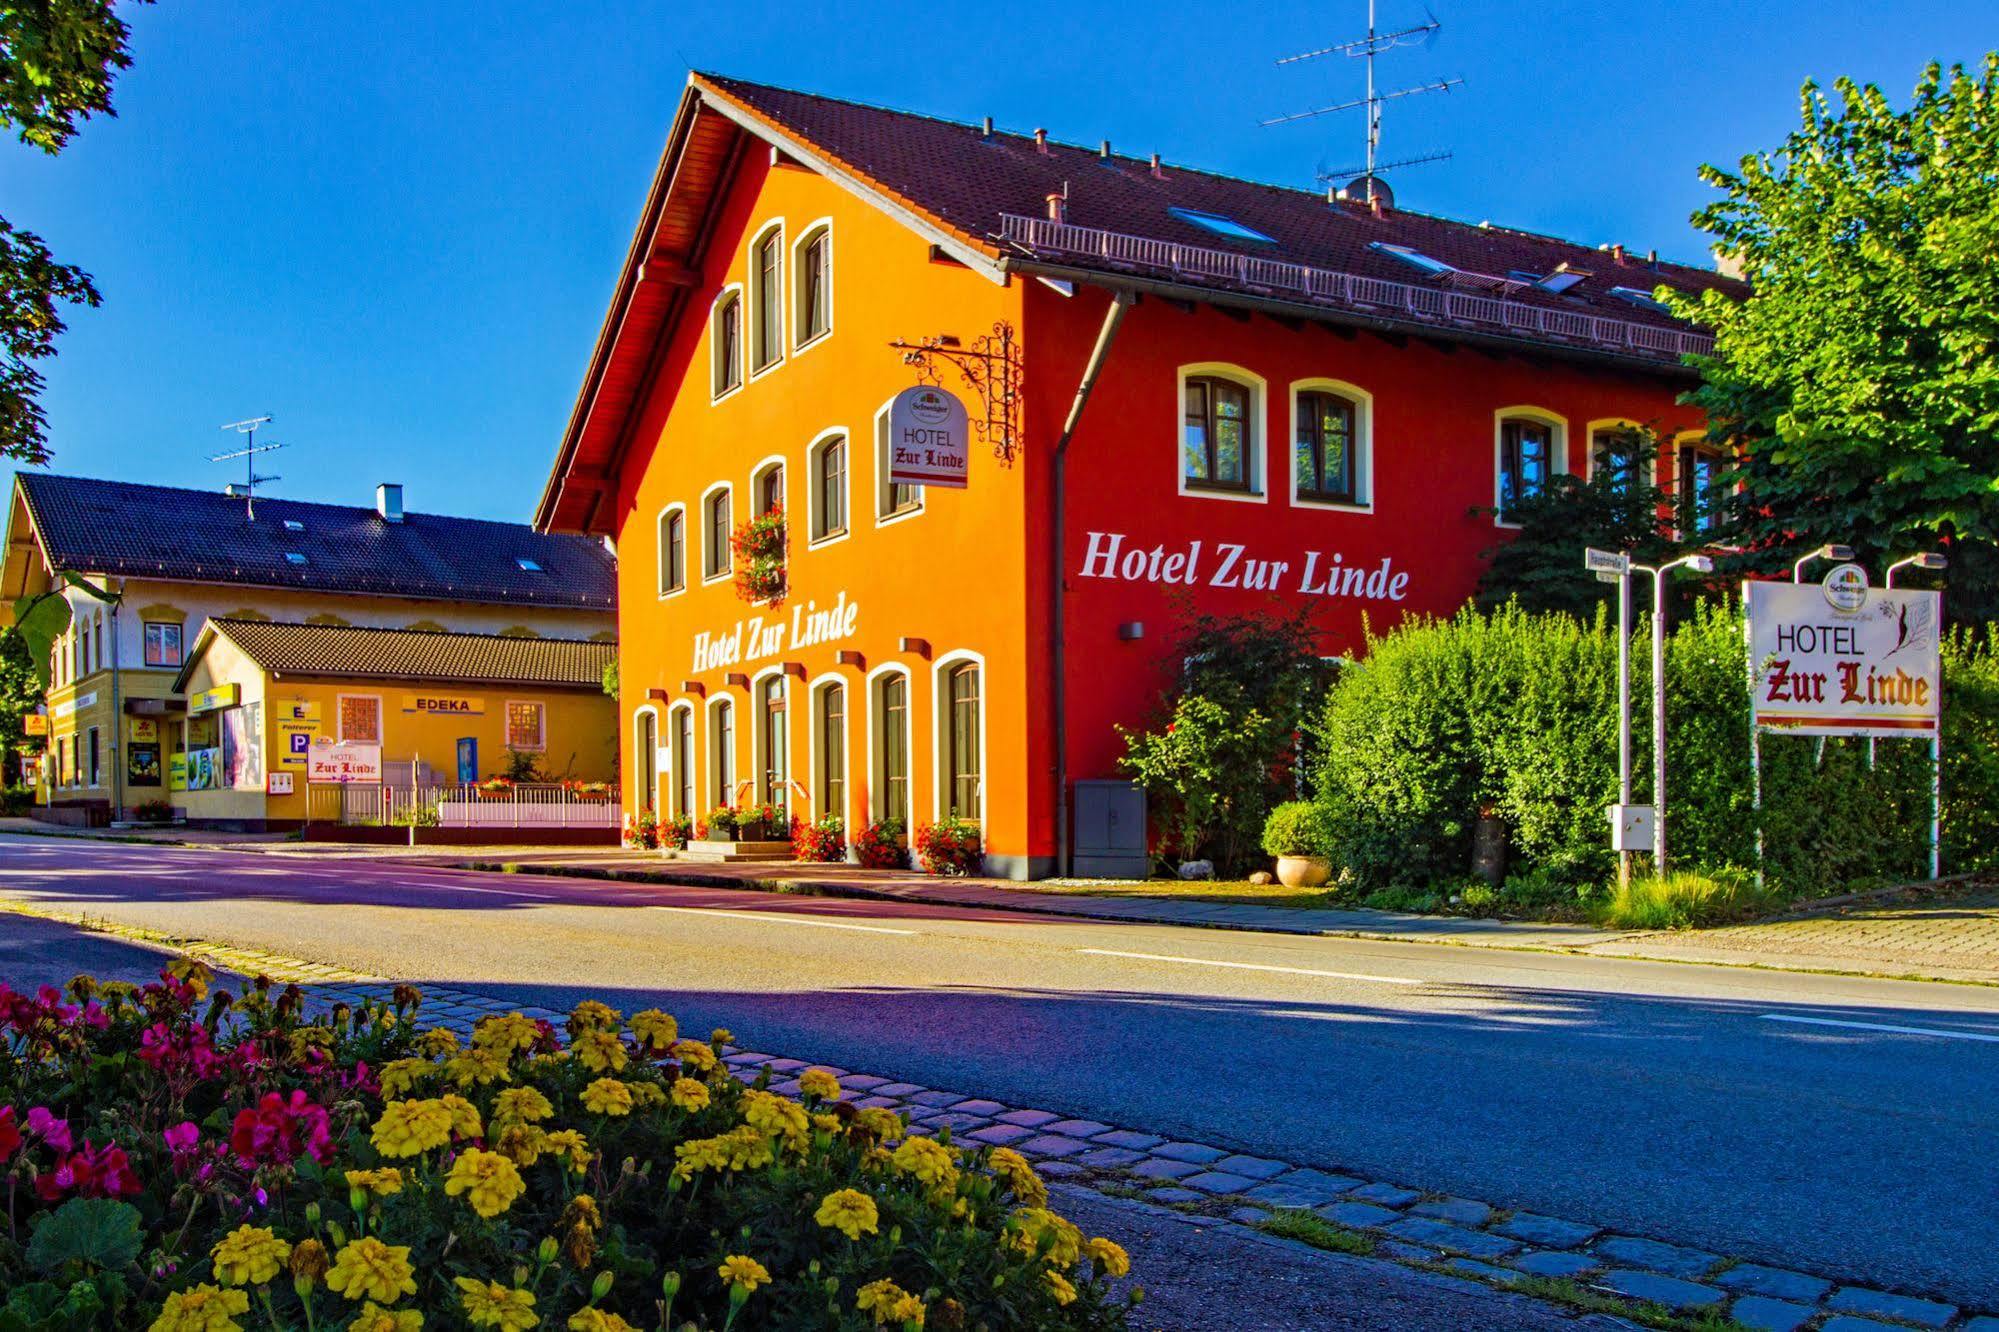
column 927, row 439
column 1841, row 658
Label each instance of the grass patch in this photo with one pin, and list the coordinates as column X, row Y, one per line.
column 1685, row 900
column 1561, row 1290
column 1307, row 1227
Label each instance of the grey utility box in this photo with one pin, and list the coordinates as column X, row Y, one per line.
column 1110, row 831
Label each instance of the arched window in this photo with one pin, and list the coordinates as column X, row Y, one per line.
column 891, row 500
column 1697, row 467
column 830, row 723
column 1530, row 453
column 647, row 761
column 829, row 487
column 1619, row 453
column 1323, row 455
column 812, row 285
column 767, row 293
column 772, row 741
column 722, row 743
column 891, row 709
column 716, row 524
column 1219, row 439
column 682, row 758
column 963, row 770
column 672, row 550
column 726, row 342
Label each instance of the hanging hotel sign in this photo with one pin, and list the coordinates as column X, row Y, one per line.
column 1841, row 658
column 444, row 705
column 929, row 440
column 343, row 761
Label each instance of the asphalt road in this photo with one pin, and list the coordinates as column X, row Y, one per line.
column 1838, row 1125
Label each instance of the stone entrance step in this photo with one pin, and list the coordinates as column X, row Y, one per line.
column 730, row 853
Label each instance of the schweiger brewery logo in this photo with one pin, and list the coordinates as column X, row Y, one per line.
column 1846, row 588
column 930, row 406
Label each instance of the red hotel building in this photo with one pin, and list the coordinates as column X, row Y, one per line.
column 1226, row 395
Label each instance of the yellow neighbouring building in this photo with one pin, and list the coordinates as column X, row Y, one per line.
column 173, row 561
column 446, row 708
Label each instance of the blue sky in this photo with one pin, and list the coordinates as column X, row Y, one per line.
column 396, row 226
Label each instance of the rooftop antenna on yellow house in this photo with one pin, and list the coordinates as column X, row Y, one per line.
column 248, row 453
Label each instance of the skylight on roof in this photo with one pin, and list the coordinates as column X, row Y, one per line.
column 1560, row 280
column 294, row 557
column 1414, row 258
column 1644, row 300
column 528, row 565
column 294, row 525
column 1221, row 226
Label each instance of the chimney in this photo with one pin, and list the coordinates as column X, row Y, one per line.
column 1104, row 154
column 1157, row 172
column 1041, row 141
column 389, row 501
column 1058, row 207
column 986, row 132
column 1617, row 253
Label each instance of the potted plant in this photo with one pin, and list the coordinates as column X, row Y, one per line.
column 642, row 830
column 822, row 841
column 758, row 545
column 878, row 845
column 1292, row 834
column 495, row 788
column 676, row 832
column 949, row 846
column 720, row 825
column 590, row 791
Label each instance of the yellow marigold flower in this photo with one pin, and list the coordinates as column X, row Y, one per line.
column 478, row 1067
column 570, row 1143
column 646, row 1095
column 884, row 1299
column 249, row 1256
column 438, row 1041
column 689, row 1094
column 607, row 1096
column 694, row 1055
column 722, row 1036
column 368, row 1269
column 202, row 1309
column 308, row 1260
column 599, row 1051
column 374, row 1318
column 820, row 1082
column 907, row 1310
column 848, row 1211
column 884, row 1124
column 1059, row 1286
column 1109, row 1256
column 827, row 1124
column 464, row 1115
column 514, row 1031
column 591, row 1015
column 656, row 1028
column 407, row 1128
column 381, row 1182
column 490, row 1304
column 402, row 1076
column 926, row 1158
column 520, row 1143
column 741, row 1148
column 582, row 1211
column 522, row 1103
column 1019, row 1176
column 596, row 1320
column 193, row 973
column 1038, row 1230
column 488, row 1180
column 777, row 1116
column 743, row 1271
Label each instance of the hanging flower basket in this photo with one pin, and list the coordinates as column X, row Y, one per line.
column 759, row 547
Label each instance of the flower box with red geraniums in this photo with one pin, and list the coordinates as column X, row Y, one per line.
column 181, row 1160
column 495, row 788
column 949, row 846
column 594, row 792
column 878, row 845
column 676, row 832
column 642, row 830
column 759, row 557
column 822, row 842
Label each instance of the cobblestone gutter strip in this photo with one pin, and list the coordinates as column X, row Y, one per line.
column 1653, row 1283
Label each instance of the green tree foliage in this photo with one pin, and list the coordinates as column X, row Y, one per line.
column 20, row 694
column 1859, row 384
column 57, row 62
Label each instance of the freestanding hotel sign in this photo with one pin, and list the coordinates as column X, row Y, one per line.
column 1841, row 658
column 928, row 438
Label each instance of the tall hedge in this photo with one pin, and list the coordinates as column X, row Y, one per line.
column 1514, row 715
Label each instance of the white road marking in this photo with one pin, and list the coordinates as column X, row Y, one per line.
column 447, row 885
column 1253, row 966
column 1887, row 1027
column 784, row 920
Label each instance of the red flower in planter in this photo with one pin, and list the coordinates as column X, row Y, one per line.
column 53, row 1131
column 281, row 1130
column 93, row 1172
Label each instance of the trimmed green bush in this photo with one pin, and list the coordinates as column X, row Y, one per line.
column 1293, row 829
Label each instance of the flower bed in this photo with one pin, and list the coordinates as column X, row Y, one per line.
column 186, row 1162
column 878, row 845
column 949, row 846
column 823, row 841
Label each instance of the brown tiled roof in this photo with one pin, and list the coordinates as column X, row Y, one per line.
column 414, row 654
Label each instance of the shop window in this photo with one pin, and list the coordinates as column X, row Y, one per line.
column 831, row 725
column 892, row 747
column 360, row 718
column 1325, row 463
column 1218, row 450
column 812, row 283
column 773, row 742
column 672, row 550
column 722, row 739
column 647, row 759
column 767, row 297
column 829, row 488
column 682, row 760
column 527, row 726
column 716, row 524
column 962, row 736
column 1695, row 488
column 891, row 500
column 726, row 343
column 1529, row 455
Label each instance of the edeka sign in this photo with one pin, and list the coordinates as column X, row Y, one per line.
column 444, row 705
column 927, row 443
column 1231, row 564
column 1840, row 658
column 757, row 637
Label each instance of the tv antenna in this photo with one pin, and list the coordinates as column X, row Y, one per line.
column 248, row 453
column 1367, row 48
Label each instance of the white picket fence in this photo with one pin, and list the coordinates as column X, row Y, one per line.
column 464, row 806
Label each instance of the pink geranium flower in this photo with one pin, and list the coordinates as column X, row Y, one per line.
column 281, row 1130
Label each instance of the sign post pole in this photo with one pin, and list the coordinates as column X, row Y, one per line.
column 1699, row 564
column 1624, row 710
column 1932, row 560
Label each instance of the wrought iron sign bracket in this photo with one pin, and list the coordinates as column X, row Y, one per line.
column 990, row 367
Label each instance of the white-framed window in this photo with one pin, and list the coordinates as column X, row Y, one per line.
column 1697, row 493
column 770, row 702
column 722, row 751
column 1622, row 447
column 681, row 782
column 672, row 533
column 893, row 502
column 831, row 713
column 725, row 343
column 826, row 486
column 645, row 759
column 767, row 493
column 1332, row 444
column 718, row 525
column 767, row 298
column 812, row 284
column 889, row 742
column 1221, row 411
column 1530, row 448
column 162, row 642
column 958, row 735
column 360, row 718
column 527, row 725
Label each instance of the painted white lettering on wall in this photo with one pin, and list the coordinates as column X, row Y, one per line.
column 1230, row 564
column 761, row 636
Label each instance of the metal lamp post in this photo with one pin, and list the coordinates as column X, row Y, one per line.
column 1830, row 551
column 1699, row 564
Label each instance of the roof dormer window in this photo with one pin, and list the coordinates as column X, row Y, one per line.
column 1644, row 300
column 1413, row 258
